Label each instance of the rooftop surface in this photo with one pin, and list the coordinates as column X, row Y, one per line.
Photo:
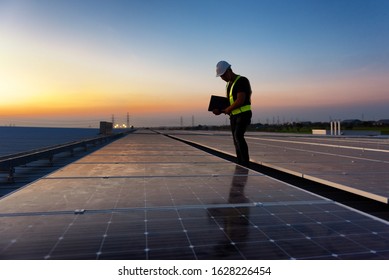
column 148, row 196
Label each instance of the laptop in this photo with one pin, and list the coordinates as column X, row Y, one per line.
column 218, row 102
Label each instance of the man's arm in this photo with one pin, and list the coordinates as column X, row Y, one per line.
column 238, row 103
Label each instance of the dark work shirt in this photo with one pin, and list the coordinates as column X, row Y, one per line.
column 241, row 85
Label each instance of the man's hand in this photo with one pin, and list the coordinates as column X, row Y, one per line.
column 227, row 110
column 216, row 112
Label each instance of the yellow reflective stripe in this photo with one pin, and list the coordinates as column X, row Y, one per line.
column 230, row 93
column 242, row 109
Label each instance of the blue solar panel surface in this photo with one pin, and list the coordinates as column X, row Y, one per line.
column 147, row 196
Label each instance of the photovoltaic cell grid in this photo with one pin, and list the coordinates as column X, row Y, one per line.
column 110, row 206
column 358, row 165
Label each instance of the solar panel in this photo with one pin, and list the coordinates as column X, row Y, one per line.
column 198, row 208
column 358, row 165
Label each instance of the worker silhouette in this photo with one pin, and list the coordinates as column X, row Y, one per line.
column 238, row 92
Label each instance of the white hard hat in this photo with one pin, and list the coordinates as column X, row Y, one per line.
column 221, row 67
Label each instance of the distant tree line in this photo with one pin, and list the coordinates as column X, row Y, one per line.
column 301, row 127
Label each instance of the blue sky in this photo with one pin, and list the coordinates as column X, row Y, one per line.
column 306, row 60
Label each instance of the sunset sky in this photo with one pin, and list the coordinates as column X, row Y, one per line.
column 74, row 63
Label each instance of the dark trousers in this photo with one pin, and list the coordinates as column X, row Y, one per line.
column 239, row 124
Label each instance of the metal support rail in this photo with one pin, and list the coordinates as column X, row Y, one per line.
column 8, row 163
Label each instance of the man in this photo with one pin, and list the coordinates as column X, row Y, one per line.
column 239, row 94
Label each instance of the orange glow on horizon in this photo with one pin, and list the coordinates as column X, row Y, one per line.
column 98, row 104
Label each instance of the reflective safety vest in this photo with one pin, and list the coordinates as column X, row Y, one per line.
column 239, row 110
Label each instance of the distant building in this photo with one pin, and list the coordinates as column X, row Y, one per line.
column 106, row 128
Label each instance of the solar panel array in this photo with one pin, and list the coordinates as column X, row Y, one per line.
column 147, row 196
column 357, row 165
